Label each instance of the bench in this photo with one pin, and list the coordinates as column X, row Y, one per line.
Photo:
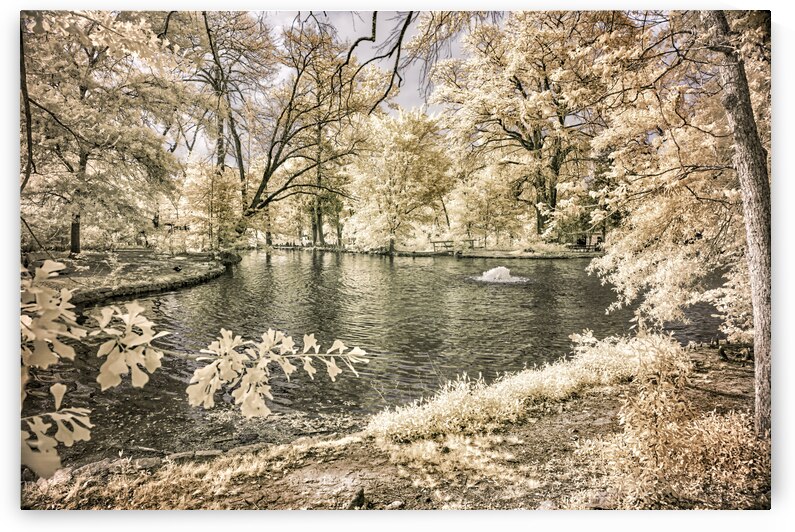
column 448, row 245
column 444, row 244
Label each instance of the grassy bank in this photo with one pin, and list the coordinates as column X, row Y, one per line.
column 99, row 276
column 467, row 406
column 547, row 438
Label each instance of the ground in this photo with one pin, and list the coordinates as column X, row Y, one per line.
column 530, row 464
column 99, row 276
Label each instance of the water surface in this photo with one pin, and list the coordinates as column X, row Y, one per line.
column 422, row 320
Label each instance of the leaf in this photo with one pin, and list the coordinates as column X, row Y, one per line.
column 42, row 356
column 287, row 345
column 49, row 268
column 63, row 350
column 310, row 343
column 110, row 372
column 139, row 378
column 43, row 463
column 337, row 345
column 106, row 348
column 133, row 310
column 152, row 359
column 106, row 314
column 58, row 390
column 309, row 368
column 332, row 368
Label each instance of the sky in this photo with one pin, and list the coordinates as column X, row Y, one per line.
column 351, row 25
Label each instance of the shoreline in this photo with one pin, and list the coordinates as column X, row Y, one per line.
column 529, row 463
column 97, row 277
column 465, row 254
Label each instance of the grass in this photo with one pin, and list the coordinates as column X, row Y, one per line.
column 471, row 406
column 666, row 456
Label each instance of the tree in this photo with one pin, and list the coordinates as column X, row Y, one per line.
column 230, row 56
column 481, row 205
column 213, row 201
column 521, row 96
column 681, row 163
column 403, row 174
column 321, row 94
column 750, row 162
column 91, row 113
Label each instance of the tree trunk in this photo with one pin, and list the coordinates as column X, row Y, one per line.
column 268, row 234
column 74, row 247
column 750, row 162
column 74, row 233
column 241, row 170
column 339, row 232
column 542, row 196
column 317, row 212
column 444, row 209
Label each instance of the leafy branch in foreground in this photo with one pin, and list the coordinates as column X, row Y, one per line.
column 47, row 318
column 244, row 367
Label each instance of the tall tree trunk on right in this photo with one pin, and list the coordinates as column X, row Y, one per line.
column 750, row 162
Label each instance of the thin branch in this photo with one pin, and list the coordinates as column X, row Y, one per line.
column 165, row 25
column 58, row 121
column 397, row 47
column 37, row 239
column 29, row 165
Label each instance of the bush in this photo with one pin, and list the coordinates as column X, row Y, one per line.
column 667, row 458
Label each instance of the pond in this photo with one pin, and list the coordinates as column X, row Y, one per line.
column 422, row 320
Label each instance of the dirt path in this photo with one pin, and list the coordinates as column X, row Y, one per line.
column 526, row 465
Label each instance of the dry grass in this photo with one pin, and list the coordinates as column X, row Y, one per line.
column 470, row 406
column 212, row 484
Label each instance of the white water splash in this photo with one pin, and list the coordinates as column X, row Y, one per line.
column 500, row 274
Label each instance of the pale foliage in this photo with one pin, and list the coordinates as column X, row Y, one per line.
column 670, row 178
column 46, row 317
column 666, row 457
column 101, row 94
column 467, row 406
column 244, row 367
column 129, row 347
column 400, row 181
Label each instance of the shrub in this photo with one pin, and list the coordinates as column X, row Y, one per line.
column 667, row 458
